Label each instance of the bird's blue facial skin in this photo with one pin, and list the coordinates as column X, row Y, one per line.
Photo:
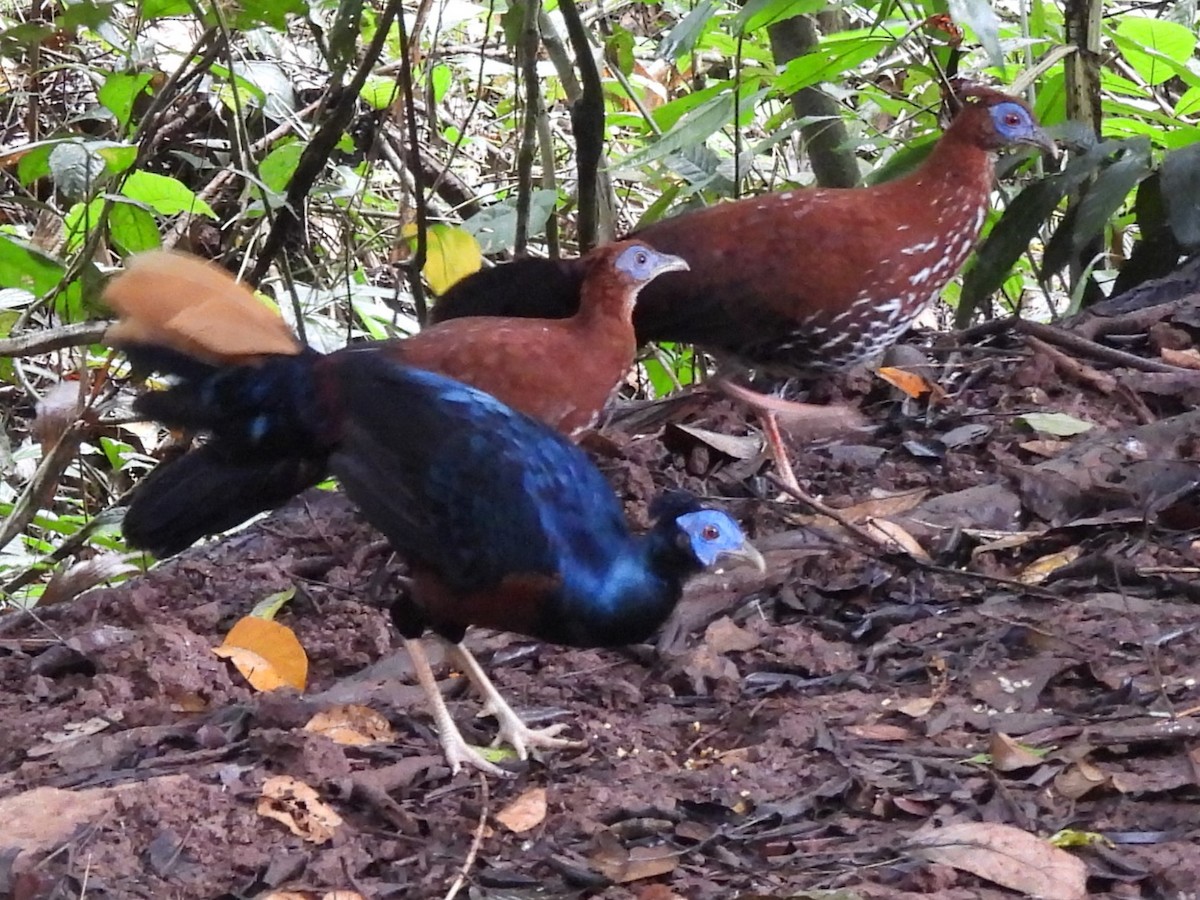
column 1012, row 121
column 638, row 262
column 712, row 534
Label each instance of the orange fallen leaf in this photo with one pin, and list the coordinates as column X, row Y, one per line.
column 916, row 386
column 299, row 807
column 526, row 812
column 352, row 725
column 268, row 654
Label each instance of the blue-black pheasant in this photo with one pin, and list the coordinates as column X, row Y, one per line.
column 503, row 521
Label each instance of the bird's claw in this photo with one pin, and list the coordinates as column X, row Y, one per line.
column 459, row 753
column 521, row 737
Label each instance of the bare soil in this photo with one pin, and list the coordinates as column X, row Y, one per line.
column 788, row 733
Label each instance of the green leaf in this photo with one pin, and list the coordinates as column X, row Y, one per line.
column 682, row 39
column 164, row 195
column 618, row 47
column 161, row 9
column 118, row 158
column 1156, row 48
column 1181, row 193
column 979, row 16
column 1189, row 103
column 1008, row 239
column 85, row 14
column 1109, row 191
column 35, row 162
column 22, row 266
column 278, row 166
column 758, row 14
column 80, row 220
column 831, row 58
column 695, row 127
column 495, row 226
column 266, row 12
column 380, row 93
column 132, row 228
column 1056, row 424
column 440, row 79
column 120, row 91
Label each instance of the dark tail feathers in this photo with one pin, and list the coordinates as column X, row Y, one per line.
column 268, row 440
column 204, row 493
column 529, row 288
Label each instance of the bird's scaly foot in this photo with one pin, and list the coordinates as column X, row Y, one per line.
column 512, row 729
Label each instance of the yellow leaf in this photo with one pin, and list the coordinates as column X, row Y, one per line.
column 269, row 606
column 451, row 254
column 267, row 654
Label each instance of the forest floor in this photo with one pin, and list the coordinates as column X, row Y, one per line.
column 857, row 719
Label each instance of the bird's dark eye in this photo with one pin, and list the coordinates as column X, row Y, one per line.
column 1012, row 119
column 710, row 532
column 642, row 258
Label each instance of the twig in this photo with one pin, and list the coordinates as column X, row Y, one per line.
column 334, row 115
column 476, row 842
column 587, row 122
column 1073, row 368
column 417, row 262
column 903, row 560
column 32, row 343
column 1084, row 347
column 1070, row 341
column 527, row 53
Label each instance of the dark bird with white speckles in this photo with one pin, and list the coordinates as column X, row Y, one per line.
column 804, row 279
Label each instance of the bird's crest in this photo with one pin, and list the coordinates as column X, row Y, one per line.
column 195, row 307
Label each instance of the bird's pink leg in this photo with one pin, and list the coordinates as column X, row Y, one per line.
column 454, row 745
column 512, row 731
column 813, row 421
column 783, row 465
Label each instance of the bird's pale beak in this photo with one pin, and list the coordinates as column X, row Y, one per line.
column 669, row 263
column 747, row 554
column 1039, row 138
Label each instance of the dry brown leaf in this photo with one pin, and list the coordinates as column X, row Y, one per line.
column 621, row 866
column 723, row 636
column 1045, row 447
column 299, row 807
column 657, row 892
column 1185, row 359
column 734, row 446
column 52, row 741
column 1041, row 569
column 267, row 653
column 879, row 731
column 353, row 725
column 916, row 707
column 343, row 895
column 1009, row 756
column 1080, row 779
column 1006, row 856
column 889, row 533
column 72, row 579
column 882, row 507
column 526, row 812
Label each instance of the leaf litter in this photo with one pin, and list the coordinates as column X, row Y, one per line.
column 1010, row 711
